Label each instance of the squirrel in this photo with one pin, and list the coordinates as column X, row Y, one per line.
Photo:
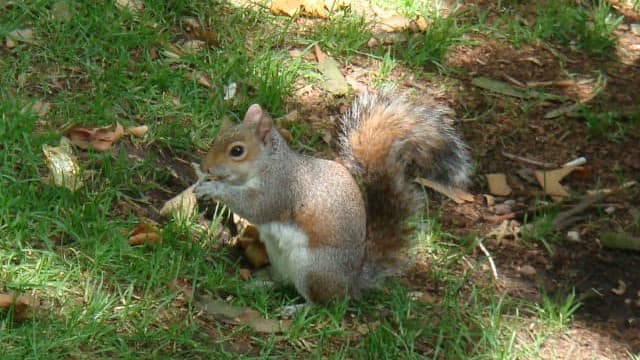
column 321, row 232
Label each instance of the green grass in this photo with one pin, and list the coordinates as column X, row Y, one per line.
column 428, row 49
column 100, row 297
column 586, row 27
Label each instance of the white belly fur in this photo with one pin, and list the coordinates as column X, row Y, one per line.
column 287, row 249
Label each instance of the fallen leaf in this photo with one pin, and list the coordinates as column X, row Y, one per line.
column 245, row 274
column 621, row 289
column 550, row 181
column 98, row 139
column 22, row 35
column 394, row 22
column 138, row 131
column 144, row 233
column 527, row 270
column 334, row 82
column 22, row 305
column 248, row 239
column 40, row 108
column 507, row 229
column 620, row 240
column 63, row 165
column 256, row 254
column 131, row 5
column 193, row 46
column 458, row 195
column 499, row 87
column 209, row 37
column 563, row 110
column 183, row 286
column 498, row 184
column 236, row 315
column 182, row 205
column 61, row 11
column 290, row 8
column 201, row 78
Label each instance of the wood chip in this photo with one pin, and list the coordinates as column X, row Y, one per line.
column 498, row 185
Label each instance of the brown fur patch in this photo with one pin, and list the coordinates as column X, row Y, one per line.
column 317, row 229
column 322, row 289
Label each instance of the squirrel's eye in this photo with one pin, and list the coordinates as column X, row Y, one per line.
column 236, row 151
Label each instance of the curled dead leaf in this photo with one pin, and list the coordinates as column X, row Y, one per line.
column 138, row 131
column 182, row 205
column 63, row 165
column 621, row 289
column 131, row 5
column 98, row 139
column 237, row 315
column 144, row 233
column 23, row 306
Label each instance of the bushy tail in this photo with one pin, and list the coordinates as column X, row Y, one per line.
column 385, row 141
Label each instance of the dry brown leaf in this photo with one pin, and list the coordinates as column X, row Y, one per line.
column 98, row 139
column 60, row 10
column 182, row 205
column 201, row 78
column 394, row 22
column 144, row 233
column 22, row 35
column 131, row 5
column 41, row 108
column 248, row 239
column 256, row 254
column 506, row 229
column 334, row 82
column 183, row 286
column 236, row 315
column 306, row 7
column 456, row 194
column 138, row 131
column 63, row 165
column 245, row 274
column 22, row 305
column 621, row 289
column 550, row 181
column 498, row 184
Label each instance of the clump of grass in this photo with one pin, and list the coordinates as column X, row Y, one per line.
column 556, row 313
column 430, row 47
column 587, row 28
column 612, row 125
column 342, row 34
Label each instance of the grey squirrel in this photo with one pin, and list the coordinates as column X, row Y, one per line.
column 321, row 232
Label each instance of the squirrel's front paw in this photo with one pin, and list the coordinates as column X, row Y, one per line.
column 209, row 190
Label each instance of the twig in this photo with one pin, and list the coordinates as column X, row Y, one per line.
column 529, row 161
column 488, row 255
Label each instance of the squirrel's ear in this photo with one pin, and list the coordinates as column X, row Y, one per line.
column 259, row 118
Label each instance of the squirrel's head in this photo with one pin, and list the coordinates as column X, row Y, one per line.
column 233, row 154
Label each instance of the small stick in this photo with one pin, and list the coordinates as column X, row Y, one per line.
column 529, row 161
column 488, row 255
